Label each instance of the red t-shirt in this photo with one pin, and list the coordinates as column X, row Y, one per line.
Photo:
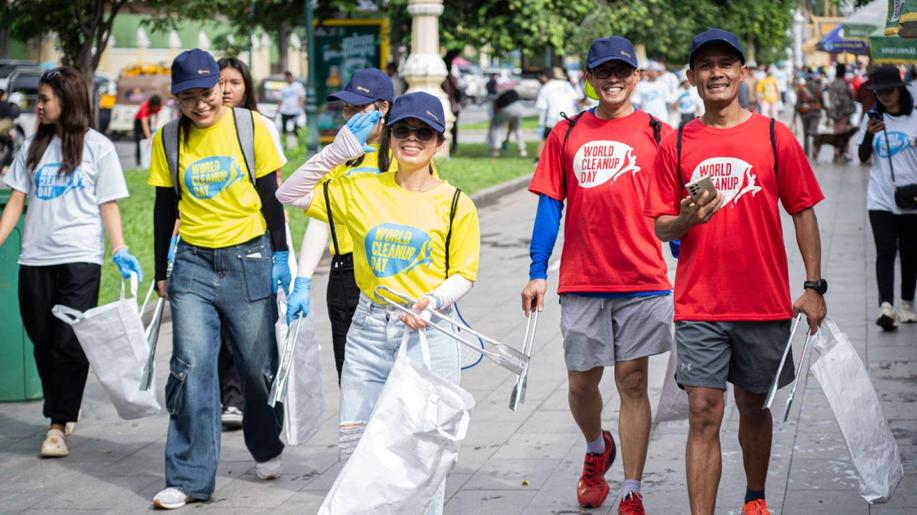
column 609, row 245
column 734, row 267
column 146, row 111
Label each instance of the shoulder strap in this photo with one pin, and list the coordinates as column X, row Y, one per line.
column 678, row 152
column 657, row 128
column 452, row 210
column 774, row 143
column 245, row 133
column 570, row 123
column 891, row 165
column 334, row 235
column 171, row 146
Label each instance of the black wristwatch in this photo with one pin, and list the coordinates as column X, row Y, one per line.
column 819, row 285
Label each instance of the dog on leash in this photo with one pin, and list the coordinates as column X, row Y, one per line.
column 838, row 141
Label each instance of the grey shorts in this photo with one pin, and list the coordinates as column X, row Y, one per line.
column 746, row 354
column 600, row 332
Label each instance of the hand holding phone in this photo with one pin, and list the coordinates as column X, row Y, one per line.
column 696, row 188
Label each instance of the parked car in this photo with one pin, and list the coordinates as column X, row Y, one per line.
column 131, row 92
column 528, row 85
column 472, row 82
column 22, row 86
column 8, row 66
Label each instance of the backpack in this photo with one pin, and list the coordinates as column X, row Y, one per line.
column 244, row 121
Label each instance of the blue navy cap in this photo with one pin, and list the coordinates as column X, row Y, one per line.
column 614, row 48
column 423, row 106
column 194, row 68
column 365, row 86
column 715, row 35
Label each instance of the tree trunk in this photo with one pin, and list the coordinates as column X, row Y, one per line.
column 283, row 47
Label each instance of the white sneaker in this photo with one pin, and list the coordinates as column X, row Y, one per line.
column 55, row 444
column 886, row 318
column 170, row 499
column 270, row 469
column 906, row 313
column 69, row 428
column 231, row 418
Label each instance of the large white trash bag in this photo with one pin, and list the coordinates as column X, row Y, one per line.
column 673, row 401
column 856, row 407
column 113, row 339
column 304, row 405
column 411, row 442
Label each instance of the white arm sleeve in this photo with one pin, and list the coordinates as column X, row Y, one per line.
column 314, row 242
column 296, row 191
column 450, row 291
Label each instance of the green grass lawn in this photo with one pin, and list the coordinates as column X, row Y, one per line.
column 528, row 122
column 471, row 169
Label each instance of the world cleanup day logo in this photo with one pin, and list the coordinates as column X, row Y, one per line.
column 207, row 177
column 731, row 176
column 392, row 249
column 597, row 162
column 50, row 183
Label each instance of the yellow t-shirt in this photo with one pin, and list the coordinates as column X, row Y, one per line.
column 768, row 89
column 400, row 235
column 219, row 205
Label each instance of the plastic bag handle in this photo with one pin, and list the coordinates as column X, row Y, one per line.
column 461, row 429
column 424, row 346
column 133, row 283
column 67, row 314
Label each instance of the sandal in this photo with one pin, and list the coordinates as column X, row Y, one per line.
column 55, row 445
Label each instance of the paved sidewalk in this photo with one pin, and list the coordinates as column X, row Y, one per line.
column 526, row 462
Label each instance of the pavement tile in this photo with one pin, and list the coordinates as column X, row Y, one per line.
column 507, row 502
column 512, row 474
column 824, row 501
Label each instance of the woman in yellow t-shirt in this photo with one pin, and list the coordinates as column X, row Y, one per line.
column 368, row 90
column 232, row 249
column 411, row 232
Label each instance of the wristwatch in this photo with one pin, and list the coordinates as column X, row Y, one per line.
column 819, row 285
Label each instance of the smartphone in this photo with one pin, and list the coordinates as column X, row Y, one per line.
column 874, row 115
column 699, row 186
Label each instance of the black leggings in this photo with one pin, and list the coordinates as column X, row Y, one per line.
column 342, row 297
column 60, row 360
column 894, row 235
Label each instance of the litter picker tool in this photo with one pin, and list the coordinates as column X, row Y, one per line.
column 152, row 330
column 789, row 347
column 507, row 357
column 802, row 366
column 518, row 395
column 279, row 388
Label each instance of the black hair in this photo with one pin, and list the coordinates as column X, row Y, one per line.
column 155, row 100
column 250, row 100
column 840, row 69
column 905, row 103
column 74, row 122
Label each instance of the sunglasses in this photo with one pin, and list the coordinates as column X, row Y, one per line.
column 422, row 133
column 620, row 72
column 50, row 75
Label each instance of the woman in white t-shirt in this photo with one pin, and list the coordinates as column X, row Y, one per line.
column 890, row 138
column 74, row 179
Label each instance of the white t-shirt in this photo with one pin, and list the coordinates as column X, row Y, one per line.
column 275, row 135
column 689, row 102
column 289, row 98
column 652, row 97
column 63, row 223
column 555, row 96
column 901, row 130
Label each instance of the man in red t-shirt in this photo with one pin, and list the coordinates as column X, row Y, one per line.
column 616, row 303
column 732, row 296
column 143, row 129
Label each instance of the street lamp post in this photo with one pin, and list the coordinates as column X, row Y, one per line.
column 312, row 138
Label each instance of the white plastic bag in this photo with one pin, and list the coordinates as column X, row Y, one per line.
column 673, row 401
column 146, row 152
column 304, row 406
column 113, row 339
column 846, row 384
column 411, row 442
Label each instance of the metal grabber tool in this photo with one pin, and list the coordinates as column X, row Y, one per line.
column 507, row 357
column 152, row 330
column 789, row 348
column 528, row 340
column 279, row 388
column 802, row 363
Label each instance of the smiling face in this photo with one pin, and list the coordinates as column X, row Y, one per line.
column 233, row 87
column 203, row 106
column 49, row 105
column 717, row 73
column 613, row 82
column 413, row 142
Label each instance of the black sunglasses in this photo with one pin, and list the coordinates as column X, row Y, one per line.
column 422, row 133
column 620, row 72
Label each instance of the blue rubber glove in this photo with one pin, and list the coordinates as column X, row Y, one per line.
column 280, row 272
column 173, row 244
column 127, row 264
column 675, row 248
column 298, row 301
column 362, row 126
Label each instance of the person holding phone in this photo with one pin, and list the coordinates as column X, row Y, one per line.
column 732, row 296
column 889, row 137
column 615, row 297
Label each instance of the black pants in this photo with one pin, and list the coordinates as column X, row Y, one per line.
column 894, row 235
column 138, row 135
column 291, row 119
column 62, row 365
column 342, row 297
column 230, row 384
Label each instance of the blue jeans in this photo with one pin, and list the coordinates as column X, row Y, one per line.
column 208, row 288
column 372, row 344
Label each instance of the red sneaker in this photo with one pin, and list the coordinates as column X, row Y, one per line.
column 631, row 504
column 756, row 507
column 592, row 488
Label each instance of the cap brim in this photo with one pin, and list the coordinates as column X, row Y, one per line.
column 206, row 82
column 602, row 60
column 885, row 85
column 349, row 97
column 438, row 127
column 724, row 42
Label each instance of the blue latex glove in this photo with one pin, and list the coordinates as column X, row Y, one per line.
column 675, row 247
column 127, row 264
column 362, row 126
column 280, row 273
column 298, row 301
column 173, row 244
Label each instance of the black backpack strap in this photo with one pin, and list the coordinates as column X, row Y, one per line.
column 678, row 153
column 774, row 143
column 334, row 236
column 452, row 211
column 656, row 125
column 571, row 122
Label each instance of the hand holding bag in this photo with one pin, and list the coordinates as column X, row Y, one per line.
column 112, row 336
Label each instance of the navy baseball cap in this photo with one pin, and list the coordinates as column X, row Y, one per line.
column 715, row 35
column 194, row 68
column 423, row 106
column 365, row 86
column 614, row 48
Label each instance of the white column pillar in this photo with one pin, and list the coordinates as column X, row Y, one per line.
column 424, row 69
